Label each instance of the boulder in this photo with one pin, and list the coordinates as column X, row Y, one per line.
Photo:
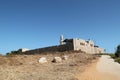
column 42, row 60
column 65, row 57
column 57, row 59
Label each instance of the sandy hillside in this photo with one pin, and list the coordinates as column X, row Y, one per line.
column 26, row 67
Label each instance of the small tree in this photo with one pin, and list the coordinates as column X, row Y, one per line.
column 117, row 53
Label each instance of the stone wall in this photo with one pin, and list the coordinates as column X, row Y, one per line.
column 99, row 50
column 59, row 48
column 71, row 44
column 86, row 46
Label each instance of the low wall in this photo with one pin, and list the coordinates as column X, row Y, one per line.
column 59, row 48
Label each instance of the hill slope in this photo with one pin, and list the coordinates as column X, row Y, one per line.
column 27, row 67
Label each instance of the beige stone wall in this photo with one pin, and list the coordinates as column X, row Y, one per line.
column 76, row 44
column 79, row 44
column 99, row 50
column 86, row 46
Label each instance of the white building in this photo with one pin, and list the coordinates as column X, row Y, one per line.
column 23, row 50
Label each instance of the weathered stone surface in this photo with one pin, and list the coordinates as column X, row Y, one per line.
column 57, row 59
column 65, row 57
column 42, row 60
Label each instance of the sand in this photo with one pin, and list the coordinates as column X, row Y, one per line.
column 103, row 69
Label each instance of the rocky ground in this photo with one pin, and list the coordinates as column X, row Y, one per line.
column 27, row 67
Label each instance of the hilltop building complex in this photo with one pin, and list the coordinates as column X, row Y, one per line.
column 74, row 44
column 77, row 44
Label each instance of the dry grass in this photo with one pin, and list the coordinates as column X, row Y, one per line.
column 26, row 67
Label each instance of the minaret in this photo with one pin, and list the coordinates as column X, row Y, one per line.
column 61, row 40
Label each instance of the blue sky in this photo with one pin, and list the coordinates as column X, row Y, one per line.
column 39, row 23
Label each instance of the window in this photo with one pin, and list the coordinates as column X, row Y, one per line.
column 82, row 44
column 91, row 45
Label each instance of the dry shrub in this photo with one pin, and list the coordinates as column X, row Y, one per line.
column 26, row 67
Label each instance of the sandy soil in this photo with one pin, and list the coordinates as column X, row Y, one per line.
column 103, row 69
column 26, row 67
column 107, row 65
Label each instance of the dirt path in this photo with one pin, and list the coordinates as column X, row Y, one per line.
column 103, row 69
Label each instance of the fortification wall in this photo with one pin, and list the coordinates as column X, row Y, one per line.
column 99, row 50
column 60, row 48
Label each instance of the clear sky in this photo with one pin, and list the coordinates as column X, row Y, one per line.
column 39, row 23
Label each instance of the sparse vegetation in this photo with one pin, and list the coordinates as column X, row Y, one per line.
column 116, row 59
column 112, row 56
column 27, row 67
column 13, row 53
column 116, row 56
column 117, row 53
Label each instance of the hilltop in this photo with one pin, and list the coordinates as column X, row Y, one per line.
column 27, row 67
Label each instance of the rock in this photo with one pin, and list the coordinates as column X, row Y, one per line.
column 57, row 59
column 65, row 57
column 42, row 60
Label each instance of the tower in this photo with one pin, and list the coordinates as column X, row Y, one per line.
column 61, row 40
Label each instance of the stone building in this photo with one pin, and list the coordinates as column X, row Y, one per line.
column 74, row 44
column 82, row 45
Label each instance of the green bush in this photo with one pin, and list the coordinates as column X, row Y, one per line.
column 117, row 60
column 13, row 53
column 112, row 56
column 117, row 53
